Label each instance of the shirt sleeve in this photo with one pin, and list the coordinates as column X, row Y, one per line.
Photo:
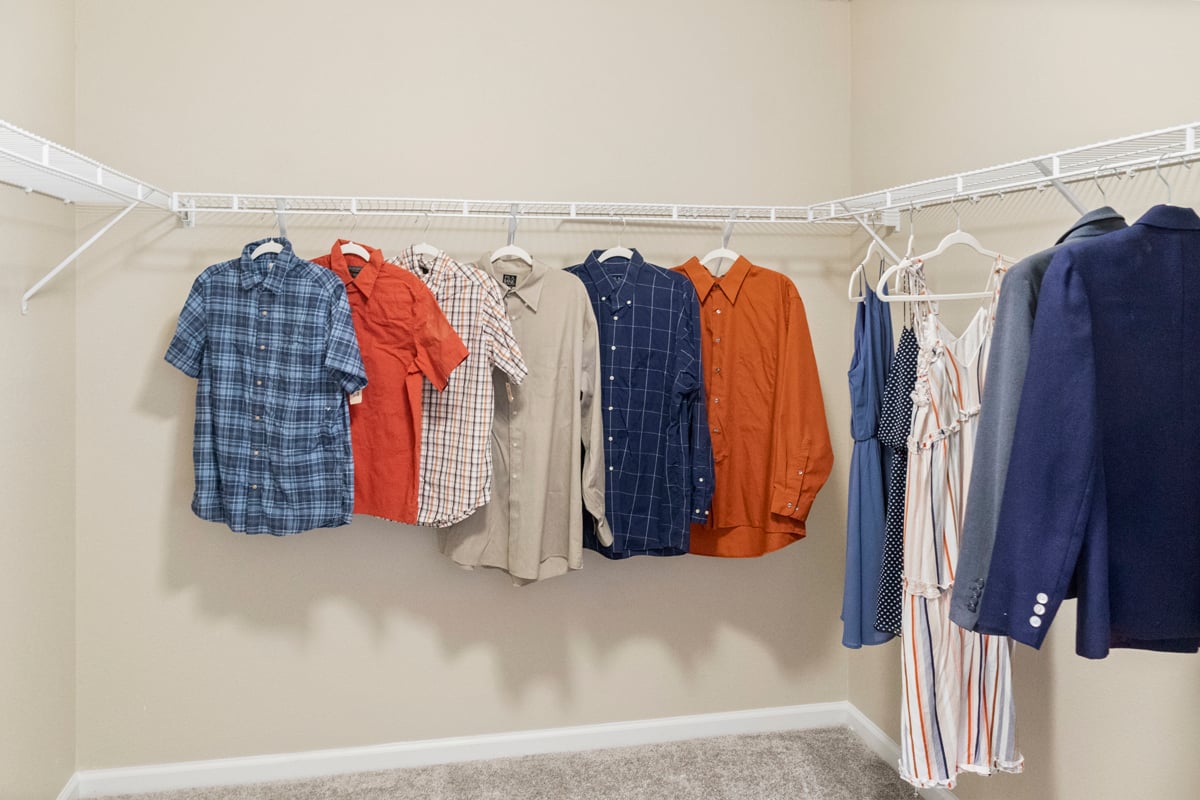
column 690, row 396
column 504, row 352
column 593, row 422
column 186, row 351
column 802, row 457
column 439, row 348
column 342, row 356
column 1054, row 474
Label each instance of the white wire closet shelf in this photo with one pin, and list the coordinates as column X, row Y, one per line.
column 34, row 164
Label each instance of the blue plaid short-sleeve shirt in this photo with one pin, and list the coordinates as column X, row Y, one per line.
column 656, row 439
column 272, row 346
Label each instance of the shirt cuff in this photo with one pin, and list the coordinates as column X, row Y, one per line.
column 603, row 532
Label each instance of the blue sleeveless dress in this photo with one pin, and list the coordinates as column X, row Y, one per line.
column 869, row 463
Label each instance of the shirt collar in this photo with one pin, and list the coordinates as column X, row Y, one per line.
column 528, row 288
column 614, row 292
column 1094, row 223
column 1175, row 217
column 730, row 283
column 438, row 266
column 364, row 281
column 268, row 269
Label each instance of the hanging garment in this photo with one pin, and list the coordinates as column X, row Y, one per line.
column 272, row 346
column 656, row 433
column 895, row 423
column 544, row 430
column 865, row 514
column 1101, row 490
column 405, row 339
column 957, row 710
column 769, row 437
column 1006, row 374
column 456, row 423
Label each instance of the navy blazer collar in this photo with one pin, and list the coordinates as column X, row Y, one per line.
column 1094, row 223
column 1173, row 217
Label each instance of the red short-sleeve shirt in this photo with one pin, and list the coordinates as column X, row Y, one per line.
column 405, row 339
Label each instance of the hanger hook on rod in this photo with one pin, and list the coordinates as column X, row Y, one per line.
column 428, row 222
column 912, row 229
column 727, row 233
column 1100, row 188
column 512, row 224
column 1158, row 172
column 957, row 217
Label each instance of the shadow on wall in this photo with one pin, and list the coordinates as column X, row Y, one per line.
column 787, row 602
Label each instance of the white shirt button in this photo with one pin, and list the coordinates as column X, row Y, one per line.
column 716, row 399
column 799, row 472
column 1039, row 609
column 1043, row 597
column 614, row 347
column 611, row 378
column 610, row 469
column 258, row 383
column 718, row 311
column 716, row 430
column 701, row 480
column 628, row 302
column 614, row 316
column 697, row 511
column 603, row 298
column 789, row 505
column 717, row 340
column 262, row 347
column 1035, row 622
column 610, row 408
column 254, row 486
column 610, row 438
column 264, row 313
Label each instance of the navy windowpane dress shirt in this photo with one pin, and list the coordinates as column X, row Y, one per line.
column 657, row 445
column 272, row 345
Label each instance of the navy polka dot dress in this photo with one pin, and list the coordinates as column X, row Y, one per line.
column 895, row 422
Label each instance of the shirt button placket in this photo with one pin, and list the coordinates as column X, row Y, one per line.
column 260, row 359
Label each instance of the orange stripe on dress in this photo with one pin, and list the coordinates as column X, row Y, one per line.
column 920, row 703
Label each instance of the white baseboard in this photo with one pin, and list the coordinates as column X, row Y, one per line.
column 319, row 763
column 71, row 790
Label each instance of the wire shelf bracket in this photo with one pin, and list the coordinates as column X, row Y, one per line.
column 37, row 165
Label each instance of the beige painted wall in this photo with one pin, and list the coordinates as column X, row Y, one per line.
column 37, row 424
column 198, row 643
column 987, row 82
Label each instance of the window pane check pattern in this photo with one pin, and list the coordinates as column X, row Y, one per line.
column 456, row 424
column 657, row 444
column 272, row 346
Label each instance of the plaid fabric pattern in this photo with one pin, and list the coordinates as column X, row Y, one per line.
column 456, row 424
column 657, row 444
column 272, row 346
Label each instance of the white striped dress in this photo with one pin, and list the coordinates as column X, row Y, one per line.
column 958, row 713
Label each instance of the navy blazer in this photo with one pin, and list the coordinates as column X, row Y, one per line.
column 1103, row 485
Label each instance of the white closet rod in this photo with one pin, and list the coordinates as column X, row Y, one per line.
column 38, row 165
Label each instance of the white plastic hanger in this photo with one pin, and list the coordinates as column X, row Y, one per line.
column 355, row 249
column 723, row 252
column 269, row 246
column 618, row 251
column 956, row 237
column 858, row 278
column 510, row 250
column 424, row 248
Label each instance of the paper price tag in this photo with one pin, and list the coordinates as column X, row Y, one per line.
column 356, row 398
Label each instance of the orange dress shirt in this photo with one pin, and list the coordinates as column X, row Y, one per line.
column 771, row 449
column 404, row 339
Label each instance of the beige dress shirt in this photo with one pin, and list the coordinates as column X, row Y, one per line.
column 542, row 431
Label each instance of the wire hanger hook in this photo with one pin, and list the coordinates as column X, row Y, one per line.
column 957, row 216
column 1158, row 172
column 1100, row 188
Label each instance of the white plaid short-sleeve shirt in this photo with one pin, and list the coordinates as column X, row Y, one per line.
column 456, row 424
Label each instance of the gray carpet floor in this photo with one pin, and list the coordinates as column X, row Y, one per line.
column 822, row 764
